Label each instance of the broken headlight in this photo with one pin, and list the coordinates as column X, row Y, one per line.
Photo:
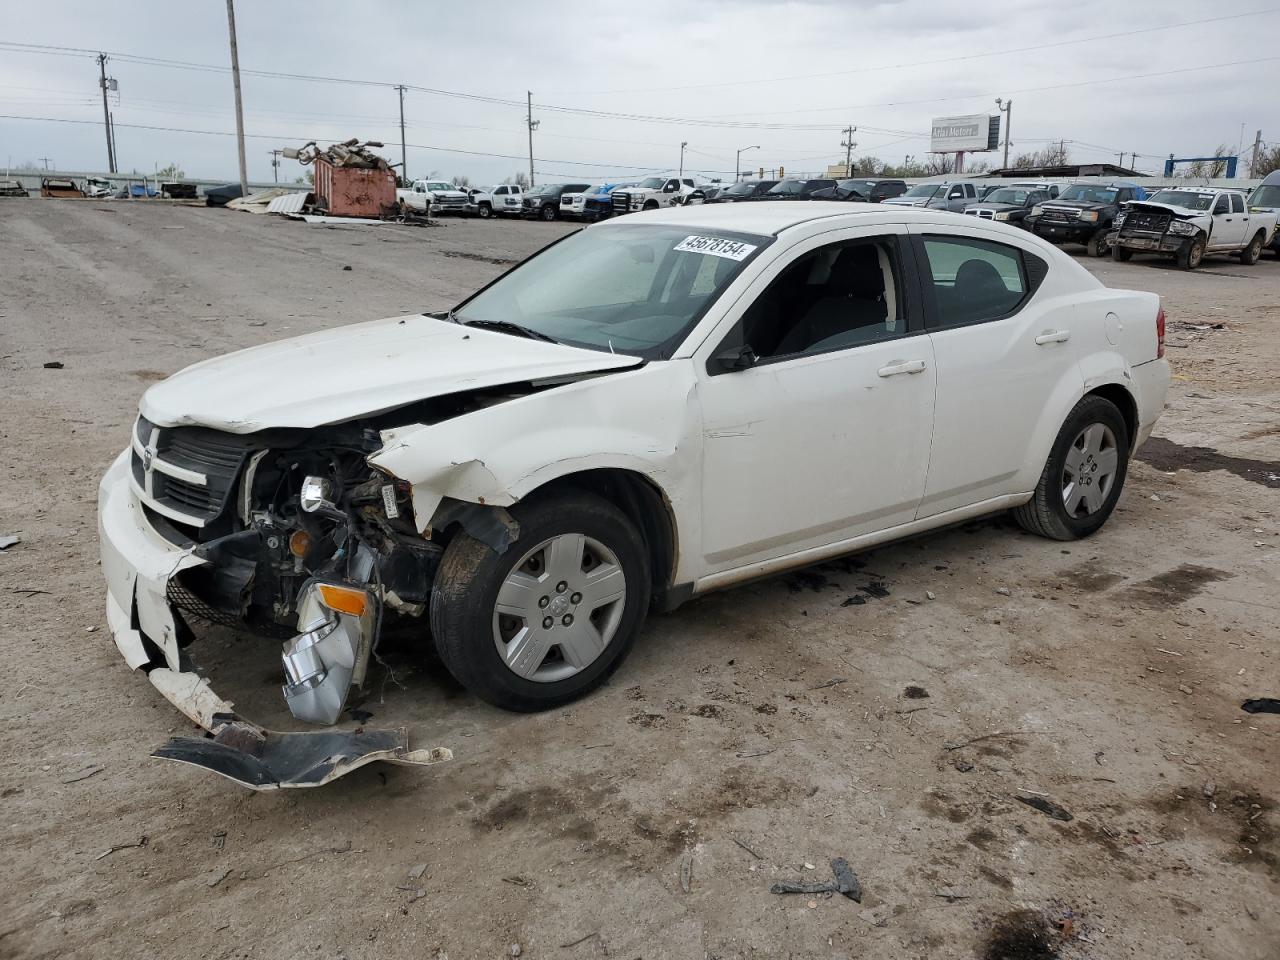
column 1182, row 228
column 1119, row 221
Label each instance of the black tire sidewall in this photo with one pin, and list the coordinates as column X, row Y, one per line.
column 1092, row 409
column 547, row 213
column 469, row 650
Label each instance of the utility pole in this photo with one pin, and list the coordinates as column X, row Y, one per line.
column 106, row 111
column 533, row 125
column 737, row 161
column 235, row 79
column 1253, row 160
column 275, row 165
column 46, row 162
column 404, row 160
column 683, row 144
column 1006, row 107
column 848, row 143
column 115, row 154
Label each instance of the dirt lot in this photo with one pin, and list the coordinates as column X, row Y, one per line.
column 751, row 734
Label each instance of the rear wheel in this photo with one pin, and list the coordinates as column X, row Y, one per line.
column 551, row 618
column 1121, row 254
column 1250, row 254
column 1097, row 245
column 1189, row 257
column 1084, row 475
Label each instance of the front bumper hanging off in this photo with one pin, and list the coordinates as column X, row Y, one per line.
column 138, row 565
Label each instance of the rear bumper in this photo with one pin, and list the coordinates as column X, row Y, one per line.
column 138, row 565
column 1151, row 383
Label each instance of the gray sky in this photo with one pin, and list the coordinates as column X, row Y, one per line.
column 790, row 65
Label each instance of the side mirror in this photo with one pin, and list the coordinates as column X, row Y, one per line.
column 738, row 358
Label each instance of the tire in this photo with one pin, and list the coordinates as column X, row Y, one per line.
column 484, row 211
column 1121, row 254
column 1097, row 245
column 475, row 640
column 1047, row 513
column 651, row 205
column 546, row 213
column 1190, row 257
column 1251, row 254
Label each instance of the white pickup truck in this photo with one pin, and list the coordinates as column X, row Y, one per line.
column 502, row 198
column 651, row 193
column 1189, row 222
column 433, row 196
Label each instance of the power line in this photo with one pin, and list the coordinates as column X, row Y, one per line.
column 927, row 63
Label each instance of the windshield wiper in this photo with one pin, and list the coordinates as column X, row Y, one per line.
column 506, row 326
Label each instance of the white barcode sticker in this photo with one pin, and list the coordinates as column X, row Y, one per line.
column 389, row 501
column 717, row 247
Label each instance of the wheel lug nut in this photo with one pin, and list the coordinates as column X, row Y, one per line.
column 547, row 623
column 576, row 598
column 561, row 587
column 568, row 619
column 543, row 601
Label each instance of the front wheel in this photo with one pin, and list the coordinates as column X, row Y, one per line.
column 547, row 213
column 1250, row 254
column 1121, row 254
column 1097, row 245
column 1189, row 257
column 551, row 618
column 651, row 205
column 1084, row 475
column 484, row 211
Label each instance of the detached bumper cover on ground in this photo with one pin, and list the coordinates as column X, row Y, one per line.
column 137, row 566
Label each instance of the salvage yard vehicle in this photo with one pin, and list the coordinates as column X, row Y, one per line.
column 543, row 202
column 792, row 189
column 13, row 188
column 587, row 204
column 1007, row 204
column 1082, row 213
column 652, row 193
column 864, row 190
column 500, row 199
column 433, row 197
column 647, row 410
column 1189, row 222
column 60, row 187
column 938, row 196
column 742, row 190
column 1266, row 199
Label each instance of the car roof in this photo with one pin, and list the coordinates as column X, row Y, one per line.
column 771, row 217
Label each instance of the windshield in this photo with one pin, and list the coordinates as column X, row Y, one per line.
column 786, row 187
column 1267, row 195
column 1089, row 194
column 924, row 189
column 630, row 288
column 652, row 183
column 1185, row 198
column 1007, row 195
column 741, row 189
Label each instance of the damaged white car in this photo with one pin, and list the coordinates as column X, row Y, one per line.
column 646, row 410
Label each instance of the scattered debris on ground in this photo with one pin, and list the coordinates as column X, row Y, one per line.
column 1261, row 705
column 1021, row 935
column 1046, row 806
column 845, row 883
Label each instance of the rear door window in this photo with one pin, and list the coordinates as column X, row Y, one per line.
column 1237, row 203
column 972, row 280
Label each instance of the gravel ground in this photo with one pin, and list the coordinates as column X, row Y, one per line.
column 752, row 733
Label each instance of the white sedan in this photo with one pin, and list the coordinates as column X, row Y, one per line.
column 646, row 410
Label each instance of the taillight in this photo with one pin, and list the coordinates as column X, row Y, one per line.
column 1160, row 334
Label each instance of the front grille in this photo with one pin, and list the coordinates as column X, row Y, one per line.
column 621, row 202
column 1058, row 215
column 186, row 474
column 984, row 214
column 1146, row 222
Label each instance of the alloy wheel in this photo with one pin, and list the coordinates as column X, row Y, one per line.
column 1090, row 470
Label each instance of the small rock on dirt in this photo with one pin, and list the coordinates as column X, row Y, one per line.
column 217, row 877
column 7, row 540
column 1047, row 806
column 417, row 870
column 1004, row 591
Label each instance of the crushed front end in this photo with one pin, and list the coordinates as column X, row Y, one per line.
column 288, row 534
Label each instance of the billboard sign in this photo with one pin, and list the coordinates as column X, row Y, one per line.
column 974, row 132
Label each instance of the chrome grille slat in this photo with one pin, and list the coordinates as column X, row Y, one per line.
column 187, row 474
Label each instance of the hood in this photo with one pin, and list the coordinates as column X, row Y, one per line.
column 1177, row 211
column 335, row 375
column 1074, row 205
column 908, row 201
column 998, row 207
column 451, row 194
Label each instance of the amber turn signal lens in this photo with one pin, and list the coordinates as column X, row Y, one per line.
column 344, row 599
column 299, row 543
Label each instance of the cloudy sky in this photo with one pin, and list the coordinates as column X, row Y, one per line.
column 608, row 85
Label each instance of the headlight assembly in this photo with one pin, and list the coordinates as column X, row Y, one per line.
column 1037, row 210
column 1002, row 216
column 1119, row 221
column 1090, row 215
column 1182, row 228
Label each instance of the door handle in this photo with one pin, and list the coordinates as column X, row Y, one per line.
column 1053, row 336
column 901, row 366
